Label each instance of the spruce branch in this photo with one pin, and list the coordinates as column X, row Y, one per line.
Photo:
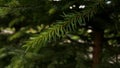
column 62, row 27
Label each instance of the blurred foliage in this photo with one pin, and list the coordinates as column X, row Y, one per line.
column 58, row 36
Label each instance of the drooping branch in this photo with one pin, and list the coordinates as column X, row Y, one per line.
column 70, row 23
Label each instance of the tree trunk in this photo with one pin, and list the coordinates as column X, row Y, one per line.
column 98, row 37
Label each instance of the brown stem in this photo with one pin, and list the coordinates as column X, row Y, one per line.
column 98, row 37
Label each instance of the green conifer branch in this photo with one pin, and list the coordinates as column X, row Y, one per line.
column 62, row 27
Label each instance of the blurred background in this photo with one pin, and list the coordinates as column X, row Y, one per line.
column 90, row 40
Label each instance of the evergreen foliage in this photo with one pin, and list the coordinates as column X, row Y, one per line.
column 55, row 34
